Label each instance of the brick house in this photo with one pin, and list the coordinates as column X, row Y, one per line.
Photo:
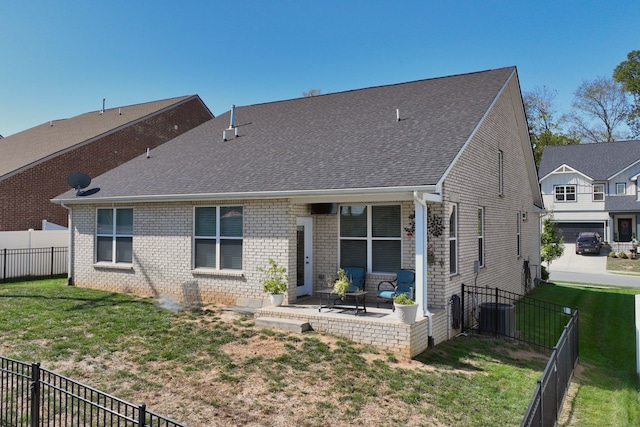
column 594, row 187
column 34, row 163
column 434, row 175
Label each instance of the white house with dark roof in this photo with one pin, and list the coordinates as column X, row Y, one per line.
column 435, row 175
column 593, row 187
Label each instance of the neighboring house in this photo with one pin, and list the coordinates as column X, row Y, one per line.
column 593, row 187
column 34, row 163
column 317, row 183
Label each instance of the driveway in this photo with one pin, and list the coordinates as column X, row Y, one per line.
column 587, row 269
column 588, row 263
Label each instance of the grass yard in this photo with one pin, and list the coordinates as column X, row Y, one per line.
column 605, row 390
column 624, row 265
column 213, row 367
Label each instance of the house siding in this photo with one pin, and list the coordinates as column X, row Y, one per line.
column 473, row 183
column 26, row 195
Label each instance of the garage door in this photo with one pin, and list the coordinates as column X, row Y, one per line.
column 570, row 230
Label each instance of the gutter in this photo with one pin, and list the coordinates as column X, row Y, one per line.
column 329, row 194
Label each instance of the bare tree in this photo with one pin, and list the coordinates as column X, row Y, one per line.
column 544, row 122
column 601, row 109
column 312, row 92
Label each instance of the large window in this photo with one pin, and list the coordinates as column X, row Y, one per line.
column 565, row 193
column 217, row 235
column 453, row 238
column 114, row 235
column 598, row 192
column 481, row 237
column 371, row 237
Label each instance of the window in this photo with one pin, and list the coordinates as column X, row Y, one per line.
column 453, row 238
column 481, row 237
column 217, row 235
column 518, row 230
column 500, row 173
column 621, row 188
column 565, row 193
column 598, row 192
column 114, row 235
column 371, row 237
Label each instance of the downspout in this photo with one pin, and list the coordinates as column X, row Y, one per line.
column 70, row 255
column 421, row 263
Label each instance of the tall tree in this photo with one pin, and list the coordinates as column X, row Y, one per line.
column 544, row 122
column 601, row 109
column 627, row 73
column 312, row 92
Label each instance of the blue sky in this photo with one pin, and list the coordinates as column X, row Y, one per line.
column 59, row 58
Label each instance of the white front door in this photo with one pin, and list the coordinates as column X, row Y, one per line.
column 304, row 256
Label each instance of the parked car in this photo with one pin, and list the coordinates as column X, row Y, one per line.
column 588, row 242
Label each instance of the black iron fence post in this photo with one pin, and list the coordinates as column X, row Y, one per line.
column 4, row 265
column 35, row 394
column 142, row 415
column 52, row 261
column 496, row 315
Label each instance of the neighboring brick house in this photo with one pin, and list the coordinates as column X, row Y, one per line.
column 322, row 182
column 593, row 187
column 34, row 163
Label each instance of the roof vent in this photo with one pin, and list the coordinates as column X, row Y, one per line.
column 397, row 114
column 232, row 118
column 102, row 111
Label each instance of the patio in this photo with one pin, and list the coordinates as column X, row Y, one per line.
column 378, row 327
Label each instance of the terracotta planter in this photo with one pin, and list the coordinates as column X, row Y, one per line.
column 406, row 313
column 276, row 299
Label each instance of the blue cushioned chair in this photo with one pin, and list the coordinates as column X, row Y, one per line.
column 404, row 284
column 356, row 275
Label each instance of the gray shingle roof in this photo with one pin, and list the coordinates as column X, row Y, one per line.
column 598, row 161
column 621, row 203
column 346, row 140
column 29, row 146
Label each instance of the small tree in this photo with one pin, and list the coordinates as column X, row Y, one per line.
column 551, row 242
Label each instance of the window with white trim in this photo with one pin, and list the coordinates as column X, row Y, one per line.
column 518, row 231
column 217, row 237
column 565, row 193
column 621, row 188
column 481, row 237
column 500, row 173
column 598, row 192
column 371, row 237
column 114, row 235
column 453, row 238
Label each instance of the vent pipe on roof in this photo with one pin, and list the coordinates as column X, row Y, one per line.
column 148, row 153
column 50, row 123
column 224, row 135
column 397, row 114
column 119, row 111
column 103, row 100
column 232, row 119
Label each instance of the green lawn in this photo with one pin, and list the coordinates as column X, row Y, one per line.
column 212, row 367
column 606, row 386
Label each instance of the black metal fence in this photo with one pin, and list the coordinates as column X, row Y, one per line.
column 34, row 262
column 35, row 397
column 544, row 324
column 548, row 398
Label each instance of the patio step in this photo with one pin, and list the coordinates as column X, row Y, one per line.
column 289, row 324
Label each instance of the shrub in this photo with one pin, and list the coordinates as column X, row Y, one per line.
column 402, row 299
column 545, row 274
column 612, row 254
column 622, row 255
column 274, row 280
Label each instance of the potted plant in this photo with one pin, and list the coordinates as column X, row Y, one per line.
column 341, row 285
column 274, row 282
column 405, row 309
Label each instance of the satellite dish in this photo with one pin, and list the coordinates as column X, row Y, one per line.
column 78, row 181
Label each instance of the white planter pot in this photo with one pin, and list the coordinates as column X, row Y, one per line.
column 276, row 299
column 406, row 313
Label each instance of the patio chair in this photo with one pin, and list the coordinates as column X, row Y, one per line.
column 403, row 284
column 356, row 275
